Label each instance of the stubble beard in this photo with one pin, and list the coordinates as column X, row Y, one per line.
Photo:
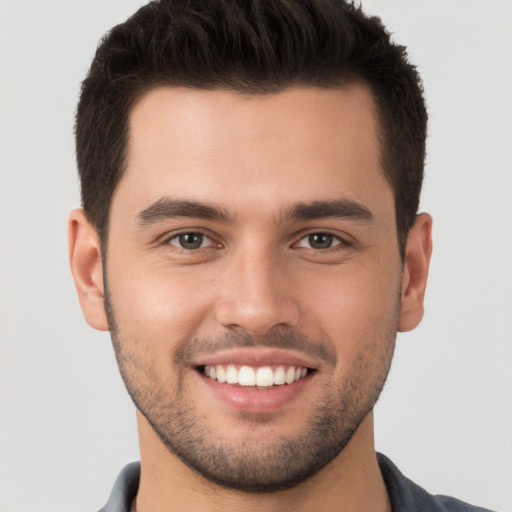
column 255, row 465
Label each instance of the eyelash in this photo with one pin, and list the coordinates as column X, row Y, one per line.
column 335, row 240
column 185, row 233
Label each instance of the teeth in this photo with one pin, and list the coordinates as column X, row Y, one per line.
column 280, row 376
column 231, row 374
column 247, row 376
column 263, row 376
column 221, row 373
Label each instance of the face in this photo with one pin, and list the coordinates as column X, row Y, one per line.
column 254, row 277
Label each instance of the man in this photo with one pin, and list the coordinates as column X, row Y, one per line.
column 249, row 235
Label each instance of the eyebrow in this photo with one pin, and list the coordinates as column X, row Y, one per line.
column 168, row 208
column 333, row 208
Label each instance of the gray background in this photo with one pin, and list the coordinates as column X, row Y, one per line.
column 66, row 423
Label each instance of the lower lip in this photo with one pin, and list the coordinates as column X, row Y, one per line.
column 249, row 399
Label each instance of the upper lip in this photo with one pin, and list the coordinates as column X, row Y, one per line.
column 256, row 358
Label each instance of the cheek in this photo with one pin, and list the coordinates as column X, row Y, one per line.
column 163, row 307
column 357, row 306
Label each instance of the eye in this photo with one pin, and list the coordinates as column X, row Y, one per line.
column 190, row 241
column 319, row 241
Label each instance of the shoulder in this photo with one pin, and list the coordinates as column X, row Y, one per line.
column 453, row 505
column 406, row 496
column 124, row 490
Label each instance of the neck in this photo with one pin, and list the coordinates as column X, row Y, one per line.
column 351, row 482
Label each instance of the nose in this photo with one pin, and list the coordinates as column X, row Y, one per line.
column 256, row 295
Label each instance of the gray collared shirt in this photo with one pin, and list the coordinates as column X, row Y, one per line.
column 405, row 495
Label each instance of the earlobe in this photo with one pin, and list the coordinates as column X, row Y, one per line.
column 417, row 261
column 86, row 267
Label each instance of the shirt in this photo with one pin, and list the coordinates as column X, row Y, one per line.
column 405, row 495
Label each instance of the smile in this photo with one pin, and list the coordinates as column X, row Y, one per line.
column 260, row 380
column 248, row 376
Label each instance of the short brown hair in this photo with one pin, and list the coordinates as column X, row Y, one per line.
column 254, row 47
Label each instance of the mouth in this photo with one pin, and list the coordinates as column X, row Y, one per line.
column 255, row 381
column 259, row 377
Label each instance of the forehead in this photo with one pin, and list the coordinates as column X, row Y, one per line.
column 238, row 149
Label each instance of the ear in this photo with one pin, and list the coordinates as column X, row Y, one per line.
column 86, row 266
column 416, row 265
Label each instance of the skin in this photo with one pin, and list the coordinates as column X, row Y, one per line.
column 257, row 274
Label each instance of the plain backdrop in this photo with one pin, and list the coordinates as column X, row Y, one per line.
column 445, row 418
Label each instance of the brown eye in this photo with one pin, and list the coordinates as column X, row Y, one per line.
column 319, row 241
column 190, row 241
